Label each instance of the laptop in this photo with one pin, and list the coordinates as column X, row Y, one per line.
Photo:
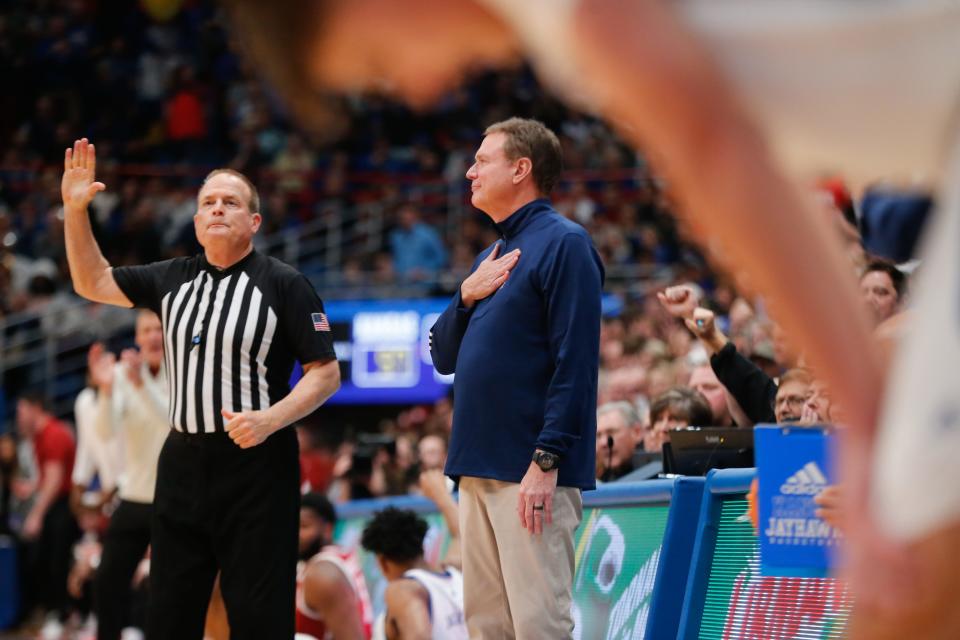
column 693, row 451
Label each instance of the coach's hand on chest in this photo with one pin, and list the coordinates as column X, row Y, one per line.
column 490, row 275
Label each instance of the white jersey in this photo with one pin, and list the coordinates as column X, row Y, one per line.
column 446, row 602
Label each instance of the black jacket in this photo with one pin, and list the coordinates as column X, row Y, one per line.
column 754, row 390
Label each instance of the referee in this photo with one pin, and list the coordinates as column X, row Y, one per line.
column 233, row 321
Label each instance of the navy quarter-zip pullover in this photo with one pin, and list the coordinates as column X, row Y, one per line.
column 526, row 357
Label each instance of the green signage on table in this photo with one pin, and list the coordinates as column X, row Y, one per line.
column 618, row 549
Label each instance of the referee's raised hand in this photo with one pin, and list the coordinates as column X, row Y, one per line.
column 79, row 171
column 247, row 428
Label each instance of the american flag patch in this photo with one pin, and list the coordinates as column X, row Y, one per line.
column 320, row 322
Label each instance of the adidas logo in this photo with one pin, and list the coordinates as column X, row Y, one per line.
column 808, row 481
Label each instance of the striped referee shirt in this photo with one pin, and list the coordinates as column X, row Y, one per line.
column 231, row 335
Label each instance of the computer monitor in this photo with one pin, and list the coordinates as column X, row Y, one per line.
column 693, row 451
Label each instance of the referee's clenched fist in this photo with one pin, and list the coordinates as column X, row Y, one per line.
column 247, row 429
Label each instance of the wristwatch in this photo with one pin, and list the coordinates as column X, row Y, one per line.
column 546, row 461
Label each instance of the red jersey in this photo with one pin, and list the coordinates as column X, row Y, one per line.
column 309, row 621
column 54, row 443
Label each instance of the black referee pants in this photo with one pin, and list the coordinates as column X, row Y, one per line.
column 124, row 544
column 220, row 507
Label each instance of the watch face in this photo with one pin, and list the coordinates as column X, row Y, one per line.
column 546, row 461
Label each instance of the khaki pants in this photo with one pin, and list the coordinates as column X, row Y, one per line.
column 516, row 584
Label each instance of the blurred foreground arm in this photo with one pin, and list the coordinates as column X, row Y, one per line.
column 658, row 84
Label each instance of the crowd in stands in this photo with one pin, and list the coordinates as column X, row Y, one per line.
column 190, row 104
column 386, row 201
column 704, row 352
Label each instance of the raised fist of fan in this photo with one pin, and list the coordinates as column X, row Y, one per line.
column 679, row 301
column 702, row 323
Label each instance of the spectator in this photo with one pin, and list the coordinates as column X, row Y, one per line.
column 351, row 473
column 704, row 380
column 441, row 420
column 437, row 488
column 418, row 251
column 818, row 408
column 383, row 269
column 186, row 120
column 293, row 166
column 393, row 457
column 132, row 408
column 49, row 529
column 661, row 376
column 86, row 558
column 752, row 389
column 882, row 286
column 792, row 395
column 25, row 480
column 97, row 463
column 676, row 408
column 619, row 433
column 432, row 452
column 316, row 463
column 625, row 383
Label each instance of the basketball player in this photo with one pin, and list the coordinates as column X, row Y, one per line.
column 421, row 601
column 332, row 598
